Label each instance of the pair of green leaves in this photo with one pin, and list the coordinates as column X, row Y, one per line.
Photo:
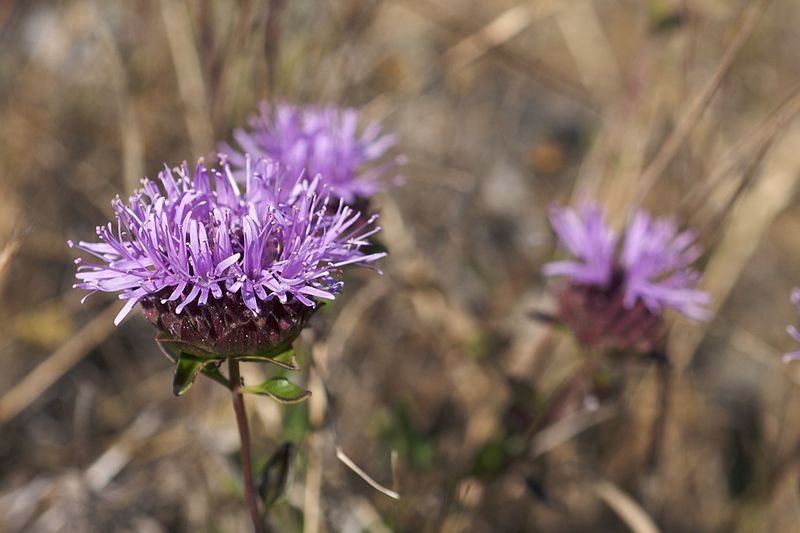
column 188, row 364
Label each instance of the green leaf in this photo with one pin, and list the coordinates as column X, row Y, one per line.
column 280, row 389
column 275, row 474
column 186, row 370
column 284, row 359
column 212, row 371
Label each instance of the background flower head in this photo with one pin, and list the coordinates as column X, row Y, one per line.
column 614, row 298
column 654, row 266
column 314, row 140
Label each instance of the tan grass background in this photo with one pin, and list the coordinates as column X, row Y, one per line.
column 502, row 107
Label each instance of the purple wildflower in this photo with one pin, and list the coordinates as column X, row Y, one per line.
column 615, row 299
column 217, row 267
column 317, row 141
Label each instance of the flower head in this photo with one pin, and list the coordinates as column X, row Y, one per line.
column 225, row 270
column 615, row 299
column 317, row 141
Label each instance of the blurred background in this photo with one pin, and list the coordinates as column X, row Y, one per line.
column 441, row 381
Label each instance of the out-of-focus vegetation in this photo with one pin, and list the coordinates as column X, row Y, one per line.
column 502, row 107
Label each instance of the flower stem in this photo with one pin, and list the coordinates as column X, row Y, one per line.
column 259, row 524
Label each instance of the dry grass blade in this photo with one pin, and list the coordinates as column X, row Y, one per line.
column 753, row 347
column 394, row 460
column 511, row 59
column 189, row 73
column 6, row 255
column 114, row 459
column 692, row 115
column 634, row 516
column 500, row 30
column 133, row 148
column 272, row 41
column 57, row 364
column 351, row 317
column 429, row 300
column 625, row 134
column 316, row 417
column 567, row 428
column 363, row 475
column 755, row 141
column 590, row 50
column 313, row 485
column 749, row 220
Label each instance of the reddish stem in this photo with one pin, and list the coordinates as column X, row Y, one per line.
column 259, row 525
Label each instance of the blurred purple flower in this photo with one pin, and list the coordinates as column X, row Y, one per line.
column 585, row 234
column 654, row 266
column 320, row 141
column 657, row 262
column 199, row 240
